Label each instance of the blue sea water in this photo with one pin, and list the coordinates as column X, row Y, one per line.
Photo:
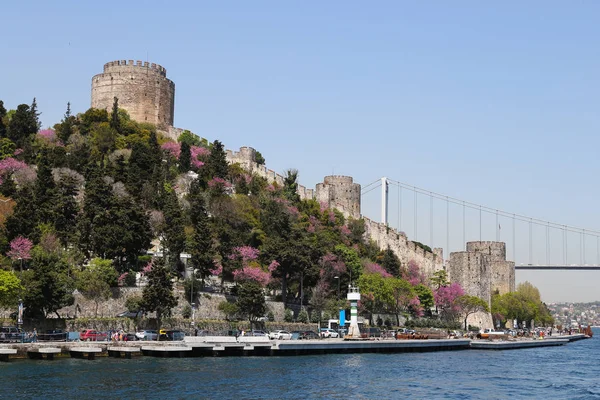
column 564, row 372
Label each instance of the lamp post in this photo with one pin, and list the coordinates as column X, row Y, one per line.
column 193, row 313
column 21, row 265
column 338, row 281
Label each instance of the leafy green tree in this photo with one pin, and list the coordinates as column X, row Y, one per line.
column 133, row 304
column 10, row 288
column 48, row 284
column 390, row 262
column 471, row 305
column 440, row 278
column 229, row 309
column 95, row 281
column 158, row 293
column 251, row 301
column 189, row 138
column 185, row 158
column 258, row 157
column 425, row 296
column 288, row 315
column 7, row 148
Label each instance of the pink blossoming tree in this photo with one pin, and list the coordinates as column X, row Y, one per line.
column 20, row 248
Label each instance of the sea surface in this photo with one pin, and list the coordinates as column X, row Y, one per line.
column 565, row 372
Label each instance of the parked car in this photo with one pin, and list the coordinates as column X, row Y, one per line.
column 130, row 337
column 280, row 335
column 309, row 335
column 55, row 335
column 374, row 332
column 147, row 335
column 329, row 333
column 256, row 333
column 10, row 334
column 92, row 335
column 171, row 335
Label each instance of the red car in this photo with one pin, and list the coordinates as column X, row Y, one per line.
column 92, row 335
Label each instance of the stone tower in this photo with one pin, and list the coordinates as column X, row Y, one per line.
column 142, row 89
column 340, row 192
column 481, row 271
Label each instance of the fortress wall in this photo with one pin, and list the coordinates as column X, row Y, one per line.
column 403, row 248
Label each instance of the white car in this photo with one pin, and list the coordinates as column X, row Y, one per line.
column 280, row 335
column 329, row 333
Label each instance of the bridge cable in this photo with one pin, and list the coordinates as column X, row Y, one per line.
column 518, row 217
column 431, row 221
column 370, row 190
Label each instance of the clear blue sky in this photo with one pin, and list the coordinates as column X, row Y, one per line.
column 494, row 104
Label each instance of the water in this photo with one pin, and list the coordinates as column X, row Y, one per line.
column 565, row 372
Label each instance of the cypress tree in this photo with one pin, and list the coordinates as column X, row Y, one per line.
column 201, row 244
column 115, row 123
column 35, row 116
column 216, row 165
column 45, row 190
column 174, row 234
column 158, row 293
column 21, row 126
column 185, row 158
column 2, row 115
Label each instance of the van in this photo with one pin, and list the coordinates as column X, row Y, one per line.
column 9, row 334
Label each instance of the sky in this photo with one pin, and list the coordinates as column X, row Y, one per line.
column 495, row 104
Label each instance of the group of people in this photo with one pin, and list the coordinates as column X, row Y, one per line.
column 118, row 336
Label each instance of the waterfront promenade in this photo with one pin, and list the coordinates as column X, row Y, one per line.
column 229, row 346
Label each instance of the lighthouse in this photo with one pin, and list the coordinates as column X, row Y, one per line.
column 353, row 297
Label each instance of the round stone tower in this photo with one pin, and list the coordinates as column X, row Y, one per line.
column 142, row 89
column 340, row 192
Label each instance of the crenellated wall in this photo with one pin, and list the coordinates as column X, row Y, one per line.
column 246, row 157
column 142, row 89
column 406, row 250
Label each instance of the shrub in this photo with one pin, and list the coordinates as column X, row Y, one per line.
column 288, row 316
column 303, row 316
column 186, row 312
column 271, row 316
column 130, row 279
column 314, row 317
column 229, row 309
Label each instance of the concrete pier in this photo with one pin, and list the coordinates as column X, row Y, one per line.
column 38, row 353
column 167, row 351
column 5, row 353
column 81, row 352
column 515, row 344
column 125, row 351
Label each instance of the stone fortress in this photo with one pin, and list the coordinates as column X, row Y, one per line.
column 142, row 89
column 148, row 96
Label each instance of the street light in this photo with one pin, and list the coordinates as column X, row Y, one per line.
column 21, row 266
column 338, row 280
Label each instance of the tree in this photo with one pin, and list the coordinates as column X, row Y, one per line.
column 201, row 246
column 35, row 115
column 115, row 122
column 425, row 296
column 290, row 186
column 64, row 130
column 391, row 262
column 45, row 191
column 20, row 249
column 2, row 125
column 440, row 278
column 229, row 309
column 22, row 221
column 65, row 207
column 470, row 305
column 173, row 232
column 216, row 165
column 158, row 293
column 185, row 158
column 48, row 284
column 251, row 301
column 10, row 289
column 95, row 281
column 21, row 126
column 445, row 300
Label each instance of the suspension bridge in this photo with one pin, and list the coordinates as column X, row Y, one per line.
column 446, row 222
